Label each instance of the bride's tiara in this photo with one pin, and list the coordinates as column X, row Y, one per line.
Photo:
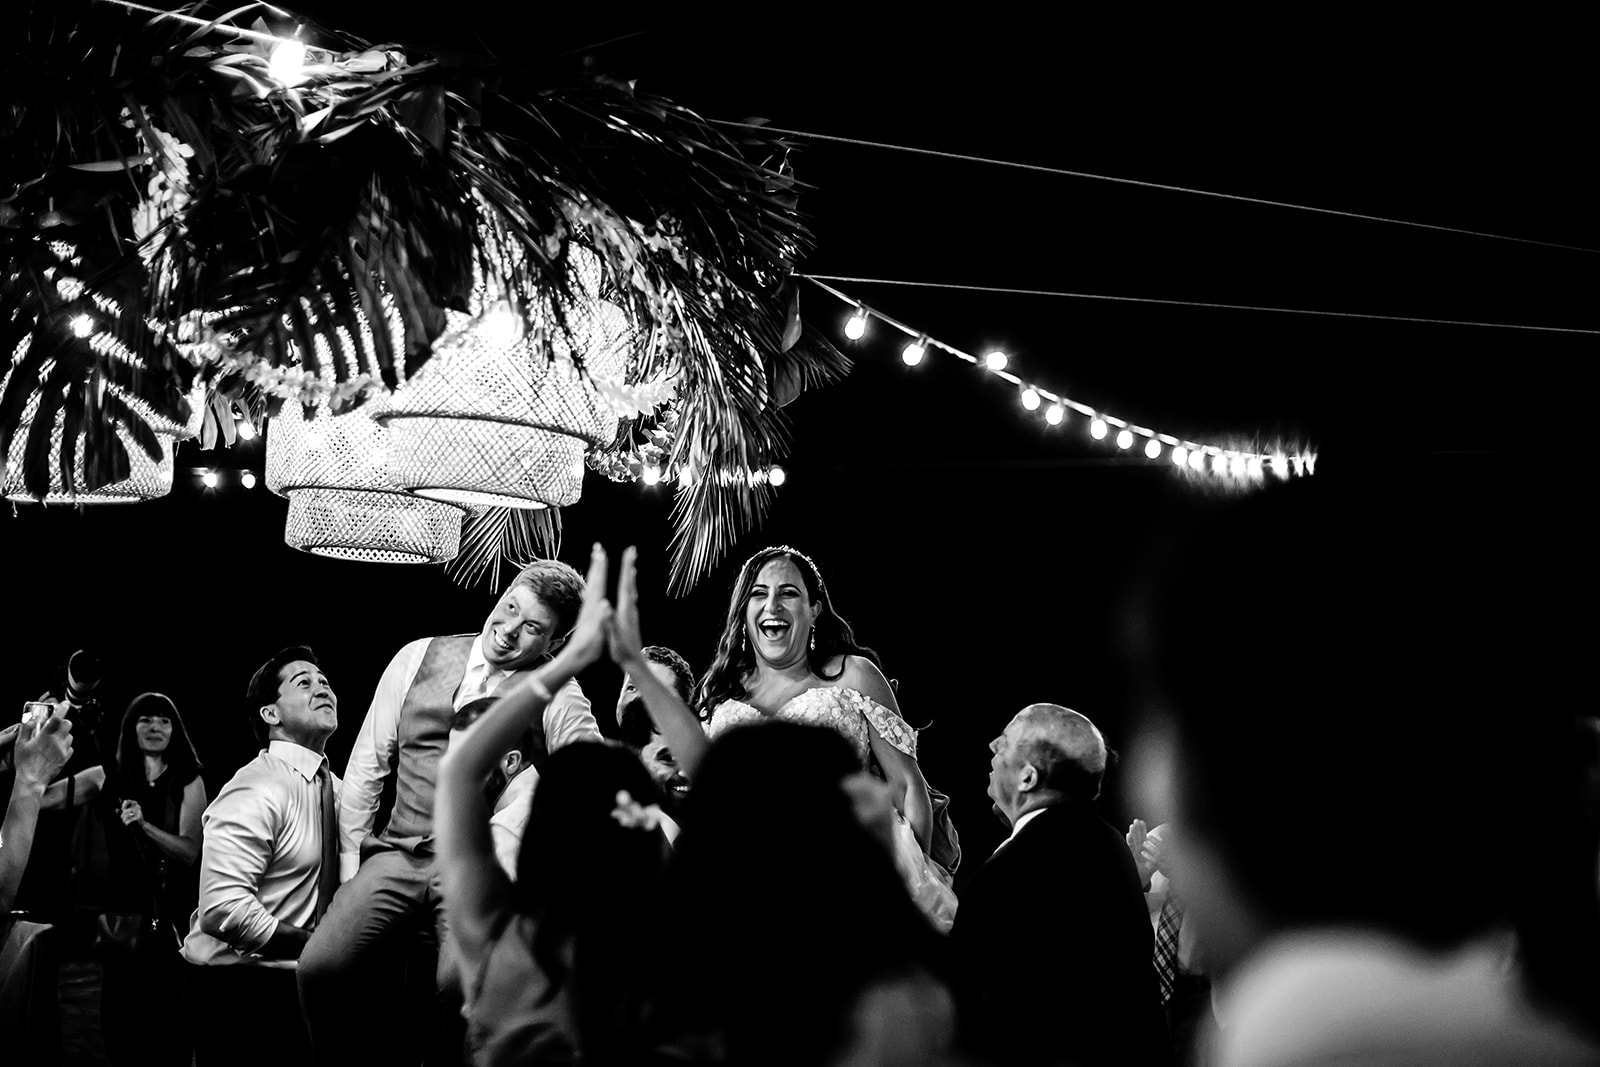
column 789, row 550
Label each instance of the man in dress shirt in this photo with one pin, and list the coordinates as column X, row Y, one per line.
column 266, row 872
column 348, row 976
column 1052, row 936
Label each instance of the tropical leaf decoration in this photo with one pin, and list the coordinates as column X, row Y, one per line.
column 264, row 204
column 493, row 537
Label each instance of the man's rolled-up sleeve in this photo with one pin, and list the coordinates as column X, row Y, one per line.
column 568, row 718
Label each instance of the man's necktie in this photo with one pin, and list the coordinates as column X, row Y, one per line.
column 328, row 876
column 1166, row 957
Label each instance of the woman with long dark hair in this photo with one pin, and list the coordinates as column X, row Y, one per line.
column 152, row 806
column 787, row 654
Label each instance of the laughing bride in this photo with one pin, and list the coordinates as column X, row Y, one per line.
column 786, row 654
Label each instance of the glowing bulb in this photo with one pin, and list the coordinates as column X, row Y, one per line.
column 248, row 479
column 1152, row 449
column 1097, row 429
column 1236, row 466
column 1180, row 456
column 1197, row 460
column 913, row 353
column 82, row 325
column 995, row 360
column 776, row 475
column 287, row 64
column 1254, row 467
column 500, row 325
column 856, row 328
column 652, row 474
column 1030, row 399
column 1125, row 439
column 1053, row 414
column 686, row 476
column 1280, row 465
column 1219, row 464
column 210, row 478
column 247, row 431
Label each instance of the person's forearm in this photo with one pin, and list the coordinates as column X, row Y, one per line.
column 174, row 847
column 16, row 837
column 286, row 942
column 918, row 810
column 677, row 724
column 472, row 755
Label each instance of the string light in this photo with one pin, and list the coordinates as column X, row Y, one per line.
column 247, row 430
column 82, row 326
column 287, row 64
column 1241, row 464
column 856, row 327
column 248, row 479
column 652, row 474
column 776, row 475
column 209, row 477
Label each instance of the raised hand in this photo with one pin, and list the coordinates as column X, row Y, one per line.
column 588, row 638
column 623, row 635
column 1137, row 836
column 1155, row 852
column 41, row 750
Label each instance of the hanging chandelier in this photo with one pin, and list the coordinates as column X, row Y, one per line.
column 501, row 416
column 341, row 503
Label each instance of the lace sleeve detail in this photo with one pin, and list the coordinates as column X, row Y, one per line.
column 891, row 727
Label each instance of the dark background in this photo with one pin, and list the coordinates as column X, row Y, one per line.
column 989, row 558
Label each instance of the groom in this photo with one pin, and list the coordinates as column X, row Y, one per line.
column 348, row 988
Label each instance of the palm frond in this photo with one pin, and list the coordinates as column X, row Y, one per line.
column 493, row 536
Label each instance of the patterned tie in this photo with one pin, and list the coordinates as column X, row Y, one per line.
column 328, row 875
column 1166, row 957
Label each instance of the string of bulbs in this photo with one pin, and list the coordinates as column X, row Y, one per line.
column 1230, row 463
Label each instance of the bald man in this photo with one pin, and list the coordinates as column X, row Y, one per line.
column 1052, row 938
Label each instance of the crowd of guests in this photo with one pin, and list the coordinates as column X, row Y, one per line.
column 754, row 869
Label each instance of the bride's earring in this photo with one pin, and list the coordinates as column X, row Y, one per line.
column 813, row 639
column 744, row 639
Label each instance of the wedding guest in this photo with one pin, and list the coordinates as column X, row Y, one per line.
column 267, row 872
column 1185, row 989
column 637, row 730
column 1052, row 939
column 347, row 975
column 509, row 786
column 548, row 956
column 1395, row 710
column 153, row 807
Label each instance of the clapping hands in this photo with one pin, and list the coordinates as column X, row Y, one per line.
column 601, row 627
column 1148, row 848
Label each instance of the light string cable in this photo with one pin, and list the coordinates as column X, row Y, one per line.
column 820, row 278
column 1164, row 187
column 1197, row 456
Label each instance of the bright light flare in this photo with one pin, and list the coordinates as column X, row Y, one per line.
column 1125, row 439
column 248, row 479
column 1152, row 449
column 996, row 360
column 247, row 431
column 1098, row 429
column 287, row 64
column 652, row 474
column 82, row 325
column 913, row 353
column 856, row 327
column 210, row 479
column 1030, row 399
column 1054, row 414
column 776, row 475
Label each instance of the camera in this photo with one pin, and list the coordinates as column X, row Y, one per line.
column 37, row 711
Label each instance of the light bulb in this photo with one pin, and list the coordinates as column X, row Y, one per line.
column 913, row 353
column 776, row 475
column 248, row 479
column 500, row 325
column 1311, row 463
column 1053, row 414
column 1254, row 467
column 1236, row 466
column 652, row 474
column 287, row 65
column 247, row 431
column 686, row 476
column 856, row 327
column 82, row 325
column 995, row 360
column 1219, row 464
column 1197, row 460
column 1125, row 439
column 1280, row 465
column 1152, row 448
column 1030, row 399
column 1180, row 456
column 210, row 478
column 1097, row 429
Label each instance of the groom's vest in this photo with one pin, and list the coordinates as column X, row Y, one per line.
column 424, row 732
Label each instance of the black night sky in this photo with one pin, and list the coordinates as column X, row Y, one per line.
column 986, row 556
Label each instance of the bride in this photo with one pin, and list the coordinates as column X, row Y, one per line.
column 786, row 654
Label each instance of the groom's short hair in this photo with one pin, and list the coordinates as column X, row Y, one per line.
column 557, row 585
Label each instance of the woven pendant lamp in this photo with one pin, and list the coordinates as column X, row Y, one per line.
column 341, row 504
column 499, row 417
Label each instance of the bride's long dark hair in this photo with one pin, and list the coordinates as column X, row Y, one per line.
column 735, row 659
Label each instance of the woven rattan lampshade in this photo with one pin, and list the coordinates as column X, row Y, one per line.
column 341, row 504
column 494, row 420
